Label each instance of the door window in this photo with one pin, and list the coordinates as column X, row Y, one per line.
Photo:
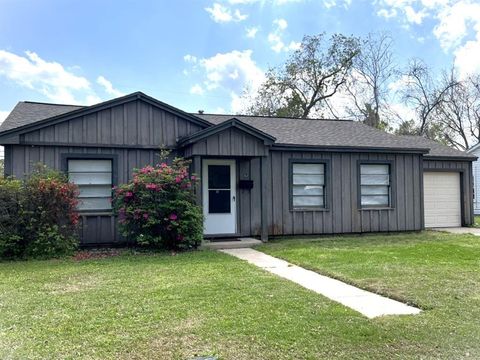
column 219, row 201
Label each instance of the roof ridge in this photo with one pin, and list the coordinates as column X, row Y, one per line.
column 274, row 117
column 45, row 103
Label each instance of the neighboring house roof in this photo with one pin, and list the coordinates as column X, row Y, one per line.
column 474, row 148
column 288, row 132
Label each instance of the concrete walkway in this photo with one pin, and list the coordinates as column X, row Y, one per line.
column 230, row 244
column 460, row 230
column 369, row 304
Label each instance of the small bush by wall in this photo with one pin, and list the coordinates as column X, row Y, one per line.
column 11, row 220
column 38, row 217
column 157, row 208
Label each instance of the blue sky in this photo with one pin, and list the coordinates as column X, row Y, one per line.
column 201, row 54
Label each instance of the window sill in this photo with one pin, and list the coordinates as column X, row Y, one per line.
column 377, row 208
column 95, row 213
column 309, row 209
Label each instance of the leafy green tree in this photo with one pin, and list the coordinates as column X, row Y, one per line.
column 311, row 75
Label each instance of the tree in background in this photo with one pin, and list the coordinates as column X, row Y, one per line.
column 424, row 94
column 342, row 76
column 373, row 71
column 459, row 112
column 314, row 73
column 2, row 168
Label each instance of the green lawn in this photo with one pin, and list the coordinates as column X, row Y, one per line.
column 438, row 272
column 476, row 221
column 202, row 303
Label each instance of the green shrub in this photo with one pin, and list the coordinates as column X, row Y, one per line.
column 38, row 217
column 157, row 208
column 50, row 242
column 11, row 220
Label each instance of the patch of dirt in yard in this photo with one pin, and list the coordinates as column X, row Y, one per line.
column 96, row 254
column 74, row 284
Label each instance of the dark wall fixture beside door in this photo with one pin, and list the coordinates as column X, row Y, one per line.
column 245, row 184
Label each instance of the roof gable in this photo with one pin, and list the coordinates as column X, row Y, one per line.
column 231, row 123
column 56, row 113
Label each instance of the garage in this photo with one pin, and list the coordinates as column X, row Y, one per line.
column 442, row 199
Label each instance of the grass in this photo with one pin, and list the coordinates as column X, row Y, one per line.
column 438, row 272
column 207, row 303
column 476, row 221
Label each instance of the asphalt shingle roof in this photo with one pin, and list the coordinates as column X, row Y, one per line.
column 287, row 131
column 26, row 112
column 436, row 149
column 346, row 133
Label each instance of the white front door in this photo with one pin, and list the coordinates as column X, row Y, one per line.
column 219, row 196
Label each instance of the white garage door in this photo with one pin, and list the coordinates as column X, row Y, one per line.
column 442, row 199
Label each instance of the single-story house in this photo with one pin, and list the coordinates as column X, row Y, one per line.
column 475, row 151
column 259, row 176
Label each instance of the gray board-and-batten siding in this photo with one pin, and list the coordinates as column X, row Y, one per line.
column 341, row 216
column 134, row 131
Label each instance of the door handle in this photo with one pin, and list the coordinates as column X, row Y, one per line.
column 233, row 198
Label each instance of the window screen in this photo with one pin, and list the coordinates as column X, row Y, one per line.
column 375, row 184
column 308, row 185
column 94, row 180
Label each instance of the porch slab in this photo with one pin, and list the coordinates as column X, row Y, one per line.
column 367, row 303
column 459, row 230
column 238, row 243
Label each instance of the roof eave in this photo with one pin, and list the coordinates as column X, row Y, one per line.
column 451, row 158
column 299, row 147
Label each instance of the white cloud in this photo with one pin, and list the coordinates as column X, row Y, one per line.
column 252, row 32
column 49, row 78
column 453, row 21
column 413, row 16
column 281, row 23
column 402, row 112
column 263, row 2
column 327, row 3
column 334, row 3
column 457, row 25
column 3, row 115
column 197, row 90
column 275, row 38
column 52, row 79
column 387, row 13
column 467, row 57
column 228, row 69
column 190, row 58
column 108, row 87
column 222, row 14
column 229, row 72
column 413, row 11
column 219, row 110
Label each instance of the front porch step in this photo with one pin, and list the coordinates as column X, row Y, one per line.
column 239, row 243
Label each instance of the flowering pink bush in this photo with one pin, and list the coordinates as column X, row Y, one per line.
column 39, row 217
column 157, row 207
